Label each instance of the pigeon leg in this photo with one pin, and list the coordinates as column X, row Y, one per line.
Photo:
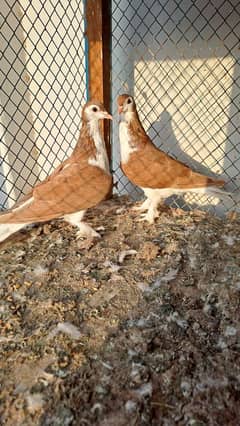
column 84, row 230
column 143, row 207
column 151, row 214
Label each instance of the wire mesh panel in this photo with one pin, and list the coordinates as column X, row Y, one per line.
column 43, row 87
column 180, row 60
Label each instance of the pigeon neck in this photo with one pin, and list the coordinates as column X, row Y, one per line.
column 95, row 133
column 100, row 157
column 129, row 116
column 85, row 144
column 135, row 124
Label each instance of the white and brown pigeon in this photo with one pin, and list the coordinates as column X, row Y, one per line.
column 155, row 172
column 80, row 182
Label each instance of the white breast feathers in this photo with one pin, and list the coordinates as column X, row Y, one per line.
column 101, row 158
column 125, row 147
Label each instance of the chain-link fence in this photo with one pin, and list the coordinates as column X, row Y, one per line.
column 180, row 60
column 43, row 87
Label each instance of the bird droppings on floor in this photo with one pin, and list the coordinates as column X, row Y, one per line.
column 138, row 328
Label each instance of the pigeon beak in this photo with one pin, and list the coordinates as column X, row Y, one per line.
column 120, row 109
column 107, row 115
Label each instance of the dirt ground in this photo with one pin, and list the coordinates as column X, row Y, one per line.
column 138, row 328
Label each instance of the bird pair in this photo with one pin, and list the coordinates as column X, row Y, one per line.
column 84, row 179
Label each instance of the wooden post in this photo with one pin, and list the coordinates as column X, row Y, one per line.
column 98, row 32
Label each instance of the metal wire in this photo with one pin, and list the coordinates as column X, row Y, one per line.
column 43, row 87
column 180, row 60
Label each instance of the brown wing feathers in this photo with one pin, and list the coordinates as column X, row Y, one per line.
column 150, row 167
column 74, row 185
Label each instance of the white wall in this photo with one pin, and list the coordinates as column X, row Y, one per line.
column 43, row 87
column 181, row 62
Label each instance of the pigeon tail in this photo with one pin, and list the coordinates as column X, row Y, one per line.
column 7, row 229
column 217, row 192
column 222, row 194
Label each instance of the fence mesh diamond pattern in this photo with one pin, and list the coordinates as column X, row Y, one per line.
column 43, row 87
column 179, row 59
column 181, row 62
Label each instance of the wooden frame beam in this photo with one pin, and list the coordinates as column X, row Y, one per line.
column 98, row 32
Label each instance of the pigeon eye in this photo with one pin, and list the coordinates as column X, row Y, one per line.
column 94, row 109
column 129, row 101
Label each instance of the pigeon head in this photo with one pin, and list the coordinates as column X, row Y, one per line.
column 126, row 104
column 94, row 111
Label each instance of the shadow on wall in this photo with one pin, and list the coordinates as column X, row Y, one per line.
column 19, row 170
column 206, row 128
column 162, row 134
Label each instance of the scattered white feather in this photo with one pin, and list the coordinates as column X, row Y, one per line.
column 17, row 297
column 100, row 390
column 120, row 210
column 106, row 365
column 142, row 322
column 209, row 382
column 66, row 328
column 3, row 308
column 130, row 406
column 20, row 253
column 124, row 254
column 40, row 270
column 181, row 322
column 170, row 276
column 4, row 339
column 230, row 331
column 112, row 266
column 100, row 228
column 136, row 369
column 207, row 308
column 97, row 407
column 185, row 388
column 34, row 402
column 131, row 353
column 228, row 240
column 193, row 262
column 221, row 344
column 144, row 287
column 59, row 241
column 144, row 390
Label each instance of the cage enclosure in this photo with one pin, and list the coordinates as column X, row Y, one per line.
column 180, row 60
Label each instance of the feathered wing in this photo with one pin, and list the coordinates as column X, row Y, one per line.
column 151, row 168
column 26, row 197
column 74, row 186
